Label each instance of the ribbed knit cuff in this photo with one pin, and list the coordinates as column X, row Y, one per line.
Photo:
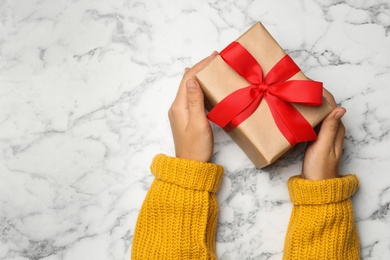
column 187, row 173
column 309, row 192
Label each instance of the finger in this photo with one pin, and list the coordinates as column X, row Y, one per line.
column 195, row 101
column 339, row 140
column 201, row 64
column 330, row 127
column 329, row 97
column 190, row 74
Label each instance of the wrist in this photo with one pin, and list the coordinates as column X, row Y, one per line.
column 320, row 176
column 320, row 171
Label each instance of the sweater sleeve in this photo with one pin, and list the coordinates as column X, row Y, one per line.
column 322, row 224
column 179, row 215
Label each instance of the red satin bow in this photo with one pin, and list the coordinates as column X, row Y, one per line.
column 274, row 88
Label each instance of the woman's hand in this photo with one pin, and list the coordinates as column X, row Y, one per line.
column 192, row 134
column 322, row 157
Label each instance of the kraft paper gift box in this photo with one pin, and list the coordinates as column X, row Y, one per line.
column 258, row 135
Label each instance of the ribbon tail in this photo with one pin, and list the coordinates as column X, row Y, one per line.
column 232, row 106
column 290, row 122
column 245, row 114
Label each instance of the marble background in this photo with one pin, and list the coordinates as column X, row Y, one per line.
column 84, row 91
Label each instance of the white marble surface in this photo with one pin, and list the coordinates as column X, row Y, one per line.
column 84, row 91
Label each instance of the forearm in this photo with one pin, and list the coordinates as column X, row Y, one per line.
column 178, row 217
column 322, row 223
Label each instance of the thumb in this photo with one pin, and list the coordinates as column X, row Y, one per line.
column 330, row 126
column 195, row 99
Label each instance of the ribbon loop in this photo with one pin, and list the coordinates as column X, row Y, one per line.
column 274, row 88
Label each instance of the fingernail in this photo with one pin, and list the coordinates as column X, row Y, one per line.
column 214, row 53
column 339, row 114
column 191, row 86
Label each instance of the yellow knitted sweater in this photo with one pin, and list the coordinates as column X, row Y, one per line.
column 178, row 218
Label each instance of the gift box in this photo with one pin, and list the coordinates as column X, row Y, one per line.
column 261, row 98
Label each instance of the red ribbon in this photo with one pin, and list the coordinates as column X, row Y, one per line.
column 274, row 88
